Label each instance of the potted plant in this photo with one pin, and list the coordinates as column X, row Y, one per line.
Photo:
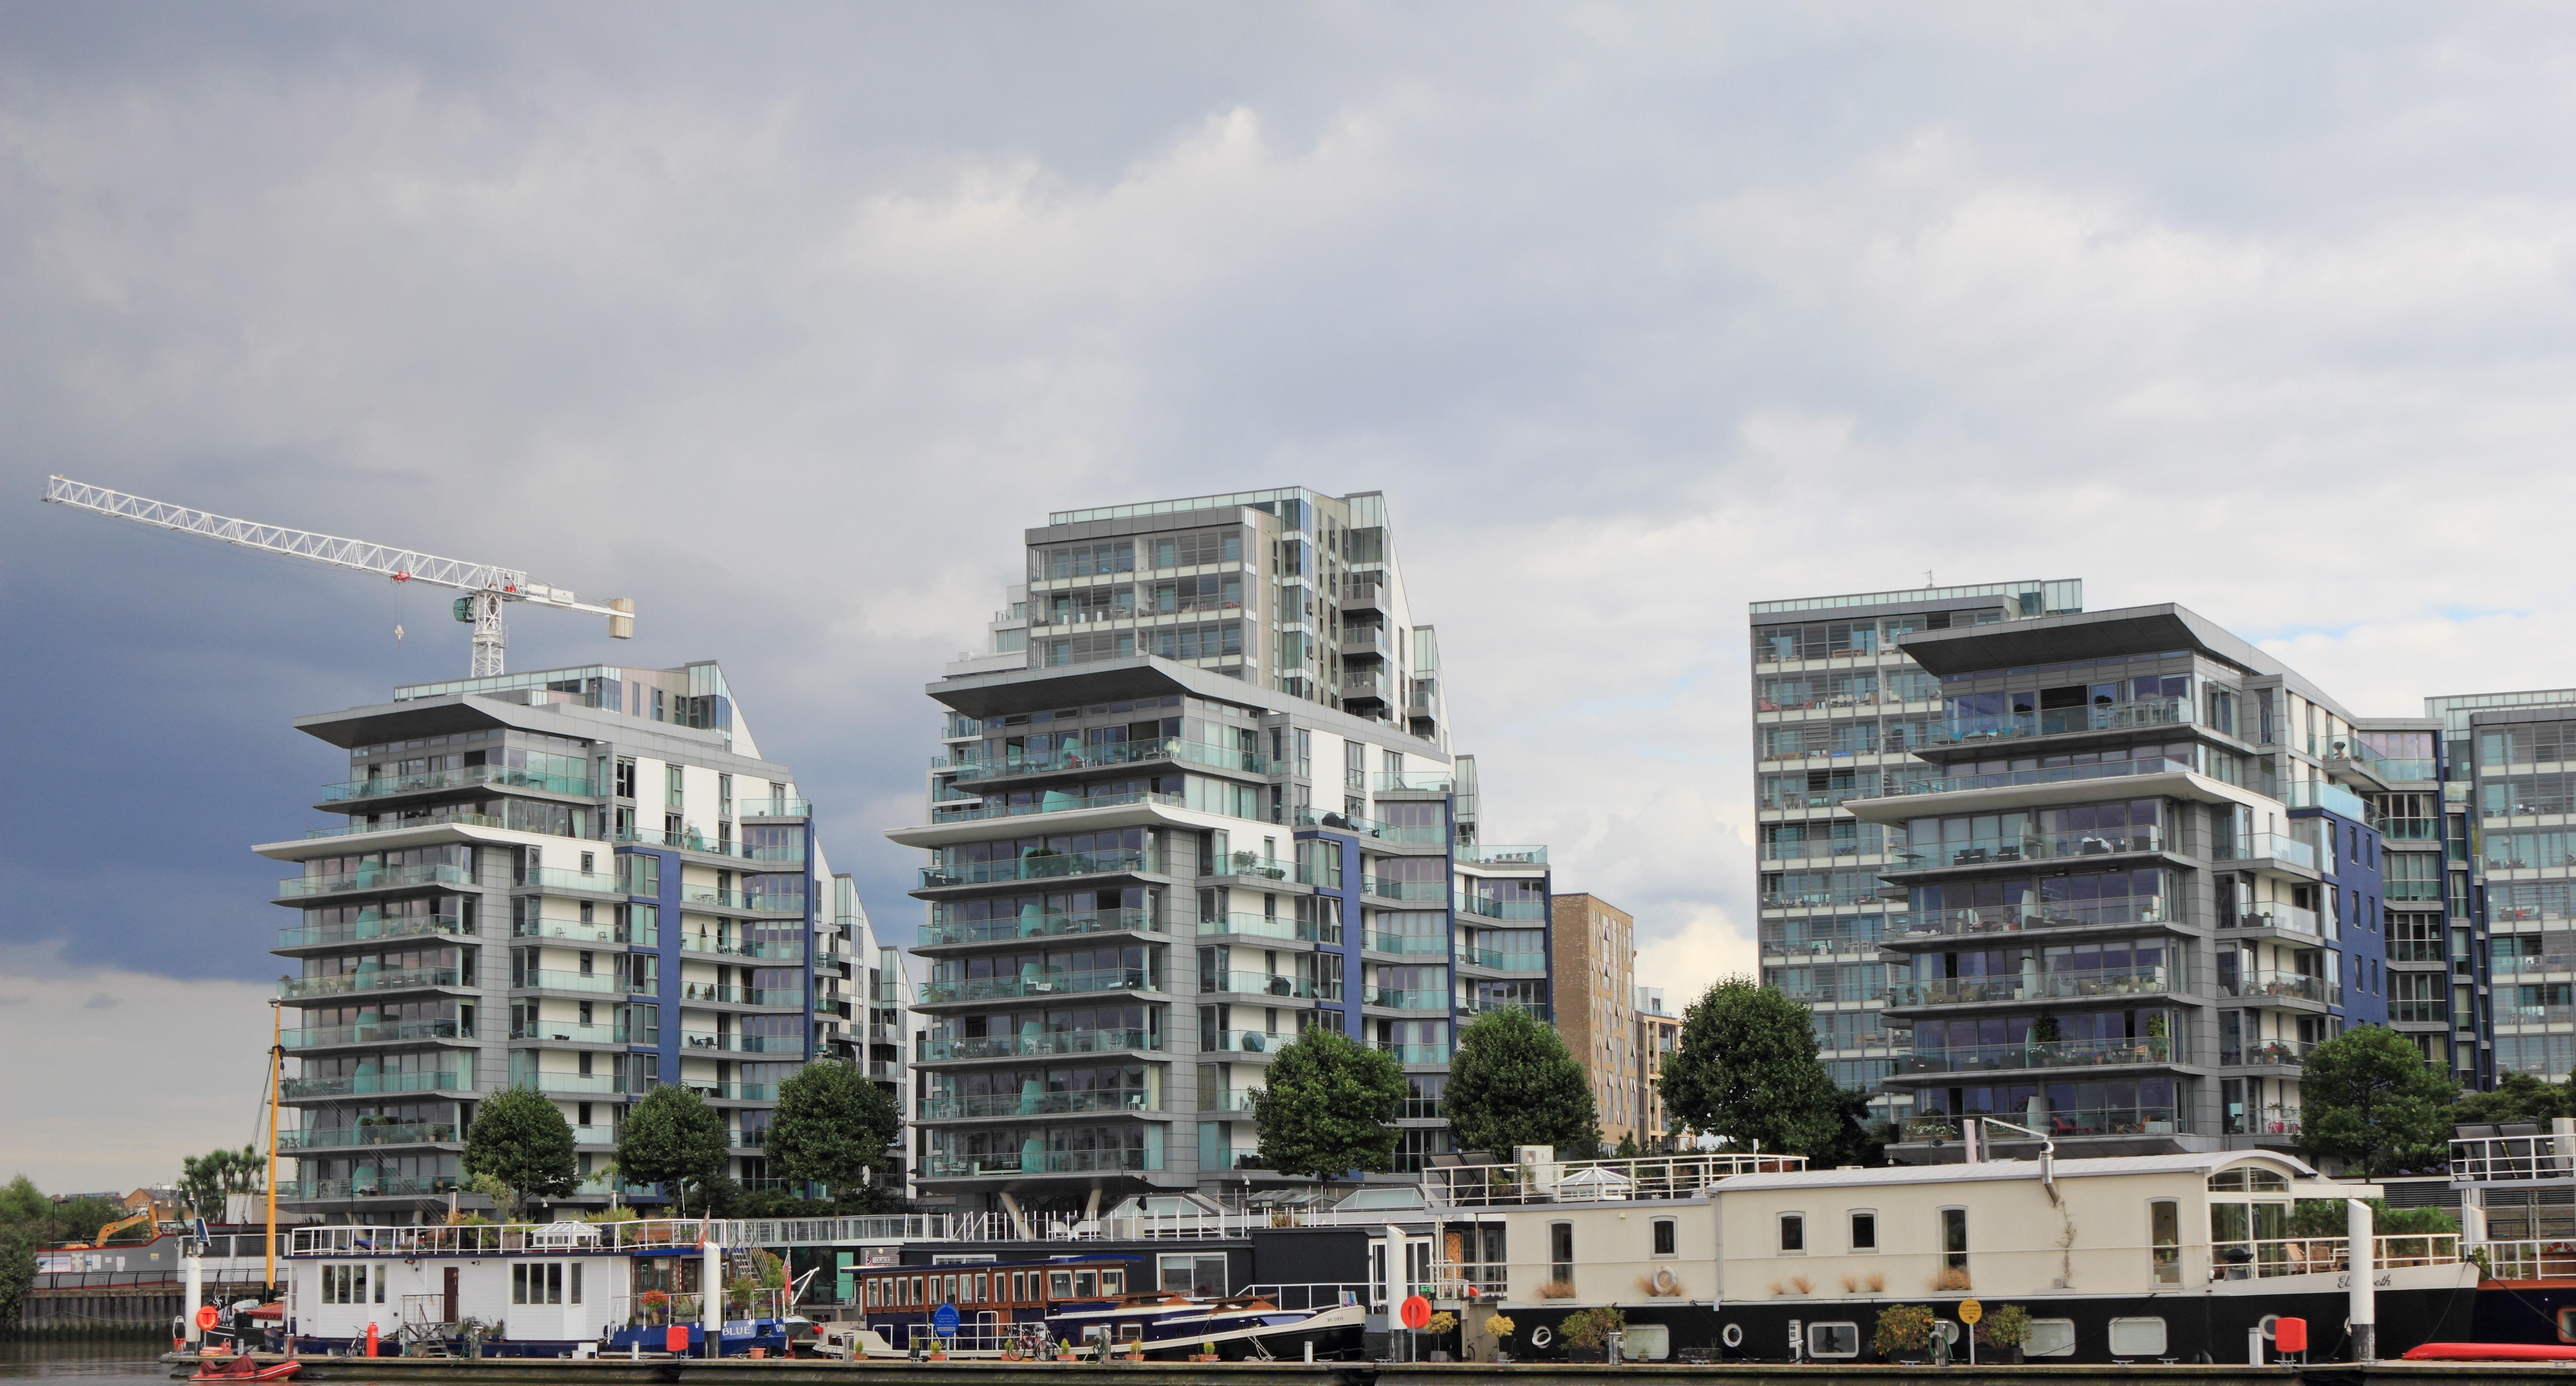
column 1904, row 1330
column 1206, row 1353
column 1588, row 1329
column 1064, row 1350
column 2006, row 1326
column 654, row 1302
column 1499, row 1326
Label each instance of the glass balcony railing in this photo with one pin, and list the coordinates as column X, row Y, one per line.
column 735, row 1092
column 1500, row 909
column 1284, row 929
column 1503, row 962
column 1420, row 781
column 2511, row 964
column 1252, row 864
column 1414, row 1053
column 2277, row 846
column 2333, row 798
column 574, row 1084
column 541, row 979
column 374, row 1032
column 422, row 1186
column 1431, row 945
column 1261, row 984
column 468, row 777
column 2033, row 1054
column 951, row 1108
column 775, row 808
column 1307, row 816
column 2285, row 986
column 2062, row 1121
column 1243, row 1041
column 2054, row 774
column 1039, row 926
column 385, row 1133
column 1384, row 889
column 1053, row 802
column 594, row 1135
column 2147, row 712
column 1111, row 979
column 1510, row 854
column 395, row 825
column 2270, row 1053
column 2509, row 1014
column 934, row 1049
column 1792, row 938
column 1040, row 867
column 2073, row 984
column 691, row 840
column 717, row 994
column 2275, row 915
column 730, row 1042
column 380, row 979
column 564, row 878
column 569, row 930
column 755, row 903
column 364, row 930
column 2012, row 919
column 363, row 1083
column 375, row 878
column 1092, row 757
column 1230, row 1100
column 1991, row 850
column 574, row 1032
column 769, row 950
column 1407, row 1000
column 939, row 1165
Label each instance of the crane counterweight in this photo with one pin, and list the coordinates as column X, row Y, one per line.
column 486, row 586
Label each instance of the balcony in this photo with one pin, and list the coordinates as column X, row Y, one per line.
column 937, row 1108
column 296, row 1089
column 1254, row 866
column 691, row 840
column 937, row 1050
column 734, row 1092
column 2037, row 1054
column 775, row 951
column 2286, row 986
column 1051, row 984
column 2145, row 712
column 1234, row 1100
column 467, row 777
column 367, row 930
column 381, row 979
column 1053, row 803
column 1495, row 961
column 1243, row 1042
column 574, row 1032
column 744, row 900
column 570, row 1084
column 2072, row 1121
column 944, row 1166
column 1044, row 866
column 1491, row 908
column 1262, row 984
column 713, row 994
column 386, row 1032
column 1286, row 930
column 1097, row 757
column 425, row 1186
column 2506, row 1014
column 2512, row 964
column 779, row 808
column 1426, row 892
column 1507, row 854
column 2069, row 985
column 374, row 878
column 1403, row 1000
column 559, row 878
column 1414, row 1053
column 729, row 1042
column 351, row 1137
column 1412, row 782
column 1368, row 683
column 395, row 825
column 2055, row 774
column 1419, row 945
column 935, row 935
column 2269, row 1053
column 2013, row 919
column 540, row 979
column 1797, row 938
column 1308, row 816
column 2274, row 915
column 1997, row 851
column 2321, row 794
column 569, row 930
column 2277, row 846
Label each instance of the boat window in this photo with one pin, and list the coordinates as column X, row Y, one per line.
column 2137, row 1337
column 1187, row 1273
column 572, row 1294
column 1833, row 1340
column 2050, row 1338
column 1954, row 1238
column 1666, row 1235
column 2228, row 1180
column 1560, row 1253
column 2567, row 1325
column 1086, row 1284
column 983, row 1288
column 1059, row 1284
column 1131, row 1332
column 2164, row 1239
column 1793, row 1232
column 1646, row 1342
column 1113, row 1282
column 1864, row 1230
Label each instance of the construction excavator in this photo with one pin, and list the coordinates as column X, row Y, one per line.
column 143, row 1219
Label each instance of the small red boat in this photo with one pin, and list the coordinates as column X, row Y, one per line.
column 2493, row 1352
column 247, row 1369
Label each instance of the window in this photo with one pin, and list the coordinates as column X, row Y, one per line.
column 1059, row 1284
column 1864, row 1231
column 1834, row 1339
column 542, row 1284
column 2050, row 1338
column 2164, row 1240
column 1954, row 1238
column 1560, row 1252
column 1666, row 1234
column 1646, row 1342
column 1793, row 1232
column 2137, row 1337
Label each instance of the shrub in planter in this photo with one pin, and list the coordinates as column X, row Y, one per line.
column 2006, row 1326
column 1903, row 1330
column 1588, row 1329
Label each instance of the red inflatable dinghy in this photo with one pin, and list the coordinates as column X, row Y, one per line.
column 2493, row 1352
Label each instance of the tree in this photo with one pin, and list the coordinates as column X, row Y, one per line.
column 673, row 1138
column 205, row 1179
column 1628, row 1148
column 521, row 1139
column 1329, row 1107
column 1746, row 1070
column 1513, row 1082
column 2520, row 1097
column 17, row 1273
column 832, row 1127
column 2367, row 1098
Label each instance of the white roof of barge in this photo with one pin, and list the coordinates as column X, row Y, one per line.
column 2203, row 1164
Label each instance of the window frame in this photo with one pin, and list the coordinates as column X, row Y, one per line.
column 1818, row 1355
column 1663, row 1238
column 2164, row 1337
column 2067, row 1351
column 1958, row 1259
column 1791, row 1226
column 1852, row 1231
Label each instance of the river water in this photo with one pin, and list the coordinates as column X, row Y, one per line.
column 114, row 1360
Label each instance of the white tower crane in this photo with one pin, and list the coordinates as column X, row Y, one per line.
column 486, row 587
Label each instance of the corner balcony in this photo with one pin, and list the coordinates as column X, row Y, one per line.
column 376, row 980
column 768, row 998
column 2062, row 1122
column 938, row 1165
column 1493, row 961
column 1105, row 757
column 2268, row 985
column 316, row 1190
column 783, row 809
column 370, row 929
column 458, row 1081
column 1490, row 908
column 1502, row 854
column 987, row 1106
column 742, row 901
column 582, row 983
column 1055, row 801
column 1243, row 1042
column 934, row 1050
column 1043, row 866
column 1098, row 981
column 2273, row 915
column 2071, row 721
column 2071, row 985
column 370, row 1136
column 574, row 1032
column 776, row 952
column 2038, row 1055
column 465, row 777
column 1273, row 927
column 374, row 878
column 2027, row 849
column 1404, row 945
column 1930, row 928
column 731, row 1042
column 2265, row 1053
column 1414, row 1053
column 1399, row 999
column 691, row 840
column 1916, row 796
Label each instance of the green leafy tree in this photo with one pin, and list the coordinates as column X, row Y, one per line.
column 1628, row 1148
column 1329, row 1107
column 205, row 1179
column 1513, row 1082
column 520, row 1138
column 17, row 1273
column 673, row 1138
column 1746, row 1069
column 2520, row 1097
column 2368, row 1099
column 831, row 1128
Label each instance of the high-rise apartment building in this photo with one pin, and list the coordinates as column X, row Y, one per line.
column 2511, row 776
column 2142, row 882
column 1838, row 711
column 584, row 881
column 1197, row 797
column 1594, row 947
column 1659, row 1036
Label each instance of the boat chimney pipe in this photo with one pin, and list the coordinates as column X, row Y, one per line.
column 196, row 1296
column 711, row 1293
column 2365, row 1294
column 1968, row 1138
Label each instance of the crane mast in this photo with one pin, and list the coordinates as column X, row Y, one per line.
column 487, row 587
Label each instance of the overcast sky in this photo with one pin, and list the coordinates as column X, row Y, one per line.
column 785, row 321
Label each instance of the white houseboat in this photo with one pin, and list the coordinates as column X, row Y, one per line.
column 2125, row 1259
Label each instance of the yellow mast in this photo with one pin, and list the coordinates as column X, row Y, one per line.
column 276, row 1069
